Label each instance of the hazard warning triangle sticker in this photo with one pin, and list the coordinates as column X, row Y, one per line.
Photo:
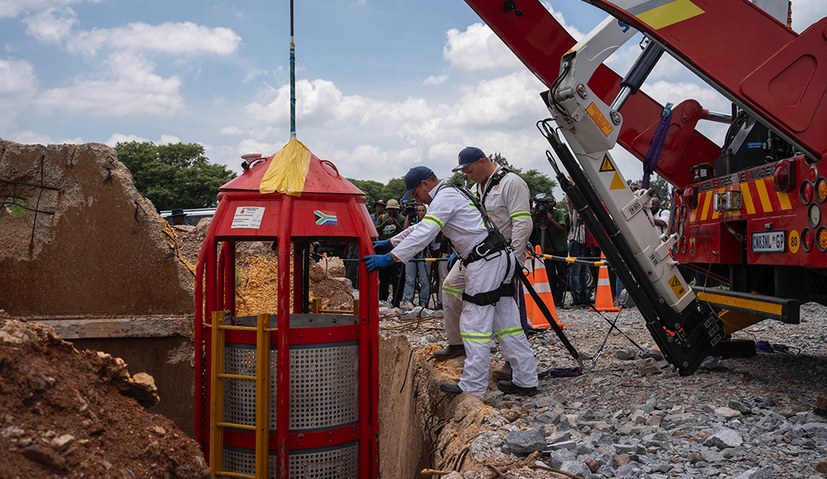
column 617, row 183
column 606, row 165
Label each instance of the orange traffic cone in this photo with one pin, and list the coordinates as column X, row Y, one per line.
column 538, row 277
column 603, row 300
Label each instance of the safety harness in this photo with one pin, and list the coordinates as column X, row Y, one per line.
column 495, row 241
column 493, row 181
column 493, row 244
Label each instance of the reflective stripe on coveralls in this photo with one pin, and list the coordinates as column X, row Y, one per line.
column 477, row 324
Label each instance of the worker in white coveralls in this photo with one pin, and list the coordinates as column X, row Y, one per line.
column 506, row 199
column 488, row 306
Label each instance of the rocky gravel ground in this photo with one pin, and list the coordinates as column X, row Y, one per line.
column 633, row 416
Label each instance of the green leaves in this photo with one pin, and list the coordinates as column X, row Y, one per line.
column 374, row 190
column 15, row 206
column 537, row 183
column 175, row 175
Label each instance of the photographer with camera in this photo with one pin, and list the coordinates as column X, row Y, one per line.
column 577, row 248
column 410, row 211
column 550, row 234
column 389, row 224
column 416, row 270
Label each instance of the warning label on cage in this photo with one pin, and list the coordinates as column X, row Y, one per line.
column 248, row 217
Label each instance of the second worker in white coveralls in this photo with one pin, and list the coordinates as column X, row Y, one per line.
column 488, row 306
column 505, row 197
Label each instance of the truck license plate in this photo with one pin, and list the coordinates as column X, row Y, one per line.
column 769, row 242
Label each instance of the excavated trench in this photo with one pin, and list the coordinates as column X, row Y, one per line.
column 421, row 427
column 405, row 419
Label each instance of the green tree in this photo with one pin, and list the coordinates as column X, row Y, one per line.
column 373, row 191
column 537, row 182
column 395, row 189
column 459, row 178
column 662, row 187
column 175, row 175
column 501, row 160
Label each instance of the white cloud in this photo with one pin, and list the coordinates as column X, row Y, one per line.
column 231, row 130
column 435, row 80
column 500, row 101
column 254, row 74
column 116, row 138
column 52, row 25
column 133, row 89
column 17, row 88
column 390, row 136
column 29, row 137
column 478, row 48
column 561, row 19
column 13, row 8
column 252, row 145
column 184, row 38
column 318, row 102
column 675, row 92
column 17, row 78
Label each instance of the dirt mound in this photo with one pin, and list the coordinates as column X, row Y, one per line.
column 190, row 239
column 327, row 283
column 65, row 413
column 78, row 238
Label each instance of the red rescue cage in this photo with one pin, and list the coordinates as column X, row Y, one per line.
column 291, row 392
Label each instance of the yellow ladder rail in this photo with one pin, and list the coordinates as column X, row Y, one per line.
column 261, row 380
column 262, row 394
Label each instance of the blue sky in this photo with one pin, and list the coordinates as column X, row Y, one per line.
column 383, row 84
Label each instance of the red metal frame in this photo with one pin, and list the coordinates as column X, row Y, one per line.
column 786, row 88
column 287, row 218
column 707, row 234
column 775, row 74
column 539, row 41
column 770, row 70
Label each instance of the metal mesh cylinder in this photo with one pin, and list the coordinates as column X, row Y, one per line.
column 323, row 395
column 329, row 463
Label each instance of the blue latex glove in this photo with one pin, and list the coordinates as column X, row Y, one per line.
column 376, row 261
column 382, row 244
column 452, row 259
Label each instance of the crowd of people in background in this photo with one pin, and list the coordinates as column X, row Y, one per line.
column 557, row 230
column 416, row 282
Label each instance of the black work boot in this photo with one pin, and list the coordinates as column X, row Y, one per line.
column 507, row 387
column 448, row 352
column 503, row 373
column 449, row 388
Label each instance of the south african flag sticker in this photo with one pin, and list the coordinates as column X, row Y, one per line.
column 325, row 219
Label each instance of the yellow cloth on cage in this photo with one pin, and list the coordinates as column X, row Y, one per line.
column 288, row 170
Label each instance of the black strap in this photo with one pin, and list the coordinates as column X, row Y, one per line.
column 486, row 220
column 490, row 297
column 544, row 309
column 492, row 243
column 493, row 181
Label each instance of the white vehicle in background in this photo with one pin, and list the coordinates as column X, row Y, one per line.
column 191, row 217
